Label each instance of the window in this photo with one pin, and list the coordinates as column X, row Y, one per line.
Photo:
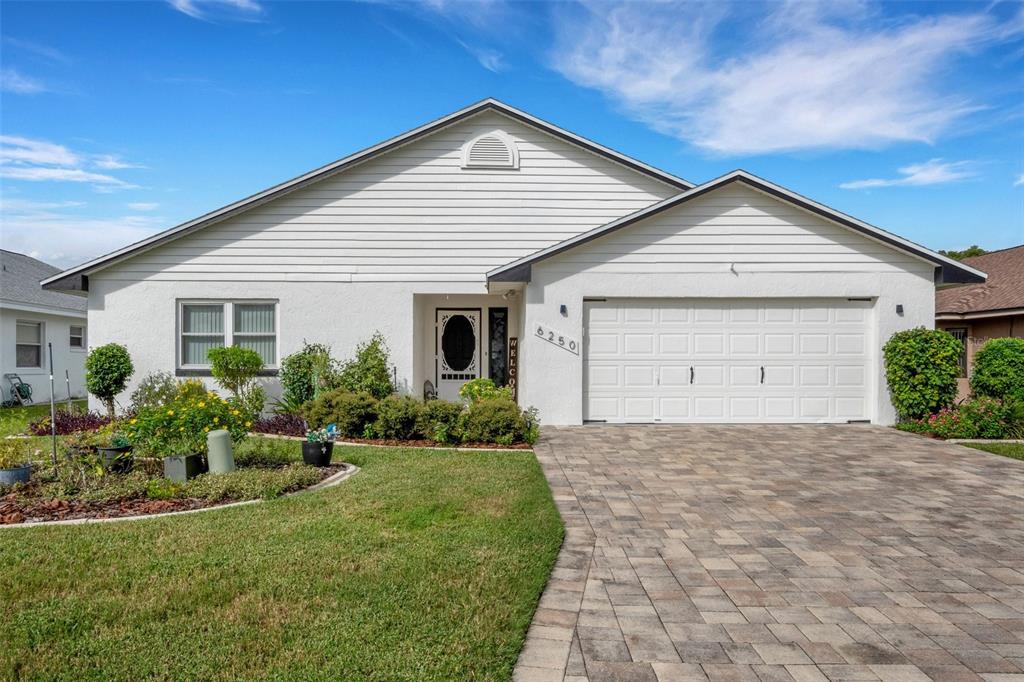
column 960, row 334
column 29, row 344
column 76, row 338
column 214, row 324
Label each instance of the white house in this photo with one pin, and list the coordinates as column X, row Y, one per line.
column 491, row 243
column 33, row 320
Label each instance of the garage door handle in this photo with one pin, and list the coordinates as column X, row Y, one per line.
column 691, row 374
column 762, row 374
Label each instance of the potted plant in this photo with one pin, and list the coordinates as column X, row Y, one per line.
column 15, row 466
column 317, row 448
column 116, row 453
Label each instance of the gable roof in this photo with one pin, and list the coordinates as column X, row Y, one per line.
column 951, row 271
column 76, row 278
column 19, row 285
column 1004, row 289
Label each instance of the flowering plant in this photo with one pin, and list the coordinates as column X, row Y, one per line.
column 180, row 426
column 318, row 436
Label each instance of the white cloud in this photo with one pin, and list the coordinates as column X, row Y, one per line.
column 12, row 80
column 143, row 206
column 490, row 59
column 833, row 79
column 23, row 158
column 244, row 10
column 933, row 172
column 65, row 239
column 1019, row 182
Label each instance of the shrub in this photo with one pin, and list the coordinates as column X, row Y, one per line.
column 305, row 374
column 976, row 418
column 163, row 489
column 483, row 389
column 398, row 417
column 350, row 412
column 282, row 424
column 68, row 421
column 921, row 367
column 494, row 420
column 998, row 369
column 439, row 421
column 14, row 453
column 265, row 452
column 158, row 388
column 369, row 372
column 236, row 369
column 180, row 427
column 107, row 370
column 244, row 484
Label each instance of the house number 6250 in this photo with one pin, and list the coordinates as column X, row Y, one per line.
column 557, row 339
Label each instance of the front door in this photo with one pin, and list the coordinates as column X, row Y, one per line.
column 458, row 350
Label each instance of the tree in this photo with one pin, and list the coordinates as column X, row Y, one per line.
column 970, row 252
column 236, row 369
column 107, row 371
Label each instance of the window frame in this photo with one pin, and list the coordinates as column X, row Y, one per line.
column 228, row 310
column 71, row 335
column 42, row 342
column 963, row 335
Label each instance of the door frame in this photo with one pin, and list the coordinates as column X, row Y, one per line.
column 437, row 333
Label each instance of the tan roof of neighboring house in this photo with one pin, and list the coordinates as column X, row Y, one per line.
column 1004, row 289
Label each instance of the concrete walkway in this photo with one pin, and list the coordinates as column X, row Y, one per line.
column 769, row 553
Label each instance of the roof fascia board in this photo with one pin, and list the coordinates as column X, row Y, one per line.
column 42, row 309
column 981, row 314
column 62, row 279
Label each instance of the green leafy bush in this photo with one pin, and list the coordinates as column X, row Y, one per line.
column 370, row 371
column 266, row 452
column 304, row 375
column 180, row 427
column 398, row 417
column 439, row 421
column 980, row 417
column 998, row 369
column 236, row 369
column 107, row 371
column 494, row 420
column 921, row 367
column 158, row 388
column 163, row 489
column 350, row 412
column 13, row 453
column 483, row 389
column 249, row 484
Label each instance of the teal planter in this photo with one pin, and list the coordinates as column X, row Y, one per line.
column 16, row 475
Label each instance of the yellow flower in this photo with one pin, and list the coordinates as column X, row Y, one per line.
column 206, row 429
column 234, row 412
column 133, row 421
column 170, row 413
column 202, row 404
column 248, row 424
column 181, row 428
column 216, row 420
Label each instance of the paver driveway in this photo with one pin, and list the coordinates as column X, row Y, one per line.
column 779, row 553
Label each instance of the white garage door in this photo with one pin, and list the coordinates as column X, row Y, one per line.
column 732, row 360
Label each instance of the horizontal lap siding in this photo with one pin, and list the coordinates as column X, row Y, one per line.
column 733, row 226
column 412, row 215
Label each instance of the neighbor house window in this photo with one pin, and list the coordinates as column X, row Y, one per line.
column 214, row 324
column 29, row 345
column 76, row 339
column 960, row 334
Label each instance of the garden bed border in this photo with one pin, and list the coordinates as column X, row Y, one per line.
column 349, row 443
column 329, row 482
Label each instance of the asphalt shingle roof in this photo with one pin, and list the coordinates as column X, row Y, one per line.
column 1003, row 290
column 19, row 283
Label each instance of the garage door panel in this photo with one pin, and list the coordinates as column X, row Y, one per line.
column 778, row 360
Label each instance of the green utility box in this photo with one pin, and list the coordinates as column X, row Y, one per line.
column 219, row 453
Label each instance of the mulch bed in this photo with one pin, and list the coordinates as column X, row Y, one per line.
column 15, row 508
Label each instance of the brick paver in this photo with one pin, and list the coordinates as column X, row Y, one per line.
column 779, row 553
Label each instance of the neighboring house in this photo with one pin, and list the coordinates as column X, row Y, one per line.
column 491, row 243
column 29, row 319
column 992, row 309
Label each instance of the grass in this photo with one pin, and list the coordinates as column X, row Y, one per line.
column 1011, row 450
column 15, row 420
column 427, row 565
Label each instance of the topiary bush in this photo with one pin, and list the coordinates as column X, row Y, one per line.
column 370, row 370
column 998, row 369
column 350, row 412
column 921, row 368
column 439, row 421
column 494, row 420
column 398, row 417
column 107, row 371
column 304, row 375
column 236, row 369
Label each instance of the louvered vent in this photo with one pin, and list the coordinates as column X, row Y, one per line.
column 492, row 150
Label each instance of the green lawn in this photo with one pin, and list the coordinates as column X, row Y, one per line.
column 1012, row 450
column 14, row 420
column 427, row 565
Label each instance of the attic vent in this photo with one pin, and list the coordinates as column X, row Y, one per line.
column 491, row 150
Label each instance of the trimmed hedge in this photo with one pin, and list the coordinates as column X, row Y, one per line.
column 352, row 413
column 398, row 417
column 921, row 367
column 998, row 369
column 439, row 421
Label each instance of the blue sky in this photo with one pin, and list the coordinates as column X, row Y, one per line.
column 122, row 119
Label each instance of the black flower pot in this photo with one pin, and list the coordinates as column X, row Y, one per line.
column 116, row 460
column 317, row 454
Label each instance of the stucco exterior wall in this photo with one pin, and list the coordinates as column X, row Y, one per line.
column 552, row 378
column 56, row 330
